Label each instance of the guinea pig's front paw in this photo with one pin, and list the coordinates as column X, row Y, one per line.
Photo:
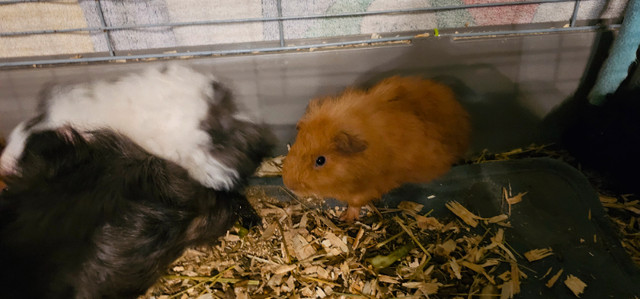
column 13, row 151
column 247, row 214
column 250, row 220
column 211, row 172
column 350, row 214
column 8, row 167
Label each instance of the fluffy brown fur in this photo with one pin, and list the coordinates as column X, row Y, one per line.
column 401, row 130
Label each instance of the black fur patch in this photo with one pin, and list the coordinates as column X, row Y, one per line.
column 239, row 144
column 223, row 97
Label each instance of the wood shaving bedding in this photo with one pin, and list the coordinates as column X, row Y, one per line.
column 302, row 250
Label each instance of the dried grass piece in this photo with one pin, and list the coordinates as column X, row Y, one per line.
column 356, row 241
column 516, row 199
column 425, row 287
column 607, row 199
column 282, row 269
column 429, row 223
column 269, row 231
column 490, row 262
column 270, row 167
column 336, row 242
column 478, row 269
column 554, row 278
column 632, row 209
column 261, row 260
column 512, row 152
column 538, row 254
column 413, row 237
column 319, row 281
column 574, row 284
column 499, row 218
column 387, row 279
column 317, row 271
column 612, row 202
column 387, row 241
column 510, row 198
column 498, row 241
column 286, row 241
column 547, row 273
column 328, row 223
column 455, row 268
column 515, row 278
column 302, row 248
column 410, row 206
column 445, row 248
column 462, row 212
column 213, row 279
column 488, row 292
column 507, row 290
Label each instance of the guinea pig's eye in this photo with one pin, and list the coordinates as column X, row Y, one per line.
column 320, row 160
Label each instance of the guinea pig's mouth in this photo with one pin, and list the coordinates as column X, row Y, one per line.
column 299, row 190
column 304, row 195
column 295, row 186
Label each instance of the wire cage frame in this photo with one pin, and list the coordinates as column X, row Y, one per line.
column 113, row 54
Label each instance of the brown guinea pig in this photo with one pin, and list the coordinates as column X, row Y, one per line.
column 361, row 144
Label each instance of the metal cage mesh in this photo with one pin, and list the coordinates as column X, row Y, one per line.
column 70, row 31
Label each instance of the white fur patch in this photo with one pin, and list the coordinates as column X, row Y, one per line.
column 160, row 111
column 13, row 150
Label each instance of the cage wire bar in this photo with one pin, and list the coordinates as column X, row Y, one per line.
column 283, row 46
column 112, row 52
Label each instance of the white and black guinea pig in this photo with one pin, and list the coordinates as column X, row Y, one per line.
column 113, row 179
column 172, row 111
column 93, row 215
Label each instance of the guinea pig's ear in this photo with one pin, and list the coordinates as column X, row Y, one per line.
column 389, row 89
column 223, row 96
column 347, row 143
column 300, row 124
column 315, row 104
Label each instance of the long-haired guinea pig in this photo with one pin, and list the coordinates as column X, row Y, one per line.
column 362, row 143
column 172, row 111
column 93, row 215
